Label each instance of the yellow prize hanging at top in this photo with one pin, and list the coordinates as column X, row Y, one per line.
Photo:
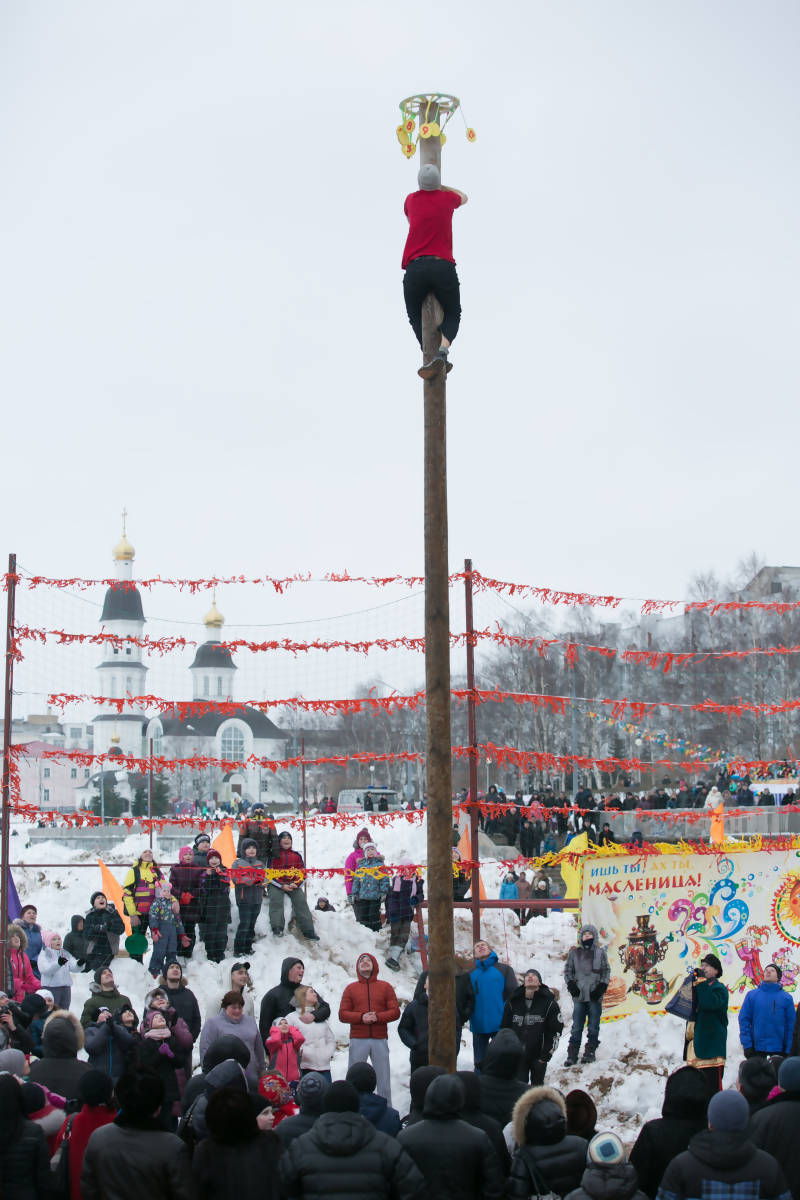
column 434, row 110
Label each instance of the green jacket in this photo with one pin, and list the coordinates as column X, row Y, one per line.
column 711, row 1022
column 97, row 1000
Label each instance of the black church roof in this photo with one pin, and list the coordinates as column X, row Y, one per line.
column 213, row 655
column 122, row 604
column 208, row 724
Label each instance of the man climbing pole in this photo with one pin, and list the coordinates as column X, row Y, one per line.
column 428, row 261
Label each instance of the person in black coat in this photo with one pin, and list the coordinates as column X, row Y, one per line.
column 256, row 829
column 239, row 1158
column 683, row 1114
column 345, row 1157
column 310, row 1095
column 59, row 1069
column 608, row 1173
column 75, row 941
column 471, row 1113
column 533, row 1013
column 418, row 1084
column 279, row 1001
column 101, row 921
column 774, row 1126
column 722, row 1161
column 413, row 1027
column 501, row 1086
column 546, row 1154
column 24, row 1157
column 457, row 1159
column 215, row 907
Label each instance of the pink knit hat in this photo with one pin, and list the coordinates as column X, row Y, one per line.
column 48, row 936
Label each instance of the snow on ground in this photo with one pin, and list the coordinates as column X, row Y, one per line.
column 635, row 1056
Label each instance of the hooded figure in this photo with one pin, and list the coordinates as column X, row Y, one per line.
column 279, row 1000
column 774, row 1126
column 500, row 1081
column 24, row 1159
column 457, row 1159
column 471, row 1113
column 59, row 1069
column 418, row 1085
column 344, row 1156
column 683, row 1114
column 218, row 1052
column 608, row 1174
column 586, row 974
column 372, row 998
column 237, row 1161
column 547, row 1157
column 75, row 941
column 722, row 1161
column 229, row 1075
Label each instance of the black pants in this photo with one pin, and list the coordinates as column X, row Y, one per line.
column 368, row 912
column 435, row 275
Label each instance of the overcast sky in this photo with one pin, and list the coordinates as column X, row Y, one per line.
column 201, row 227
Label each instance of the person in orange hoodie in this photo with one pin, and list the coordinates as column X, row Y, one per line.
column 367, row 1006
column 95, row 1091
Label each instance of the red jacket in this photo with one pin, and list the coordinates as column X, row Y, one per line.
column 286, row 858
column 84, row 1123
column 24, row 980
column 369, row 995
column 282, row 1051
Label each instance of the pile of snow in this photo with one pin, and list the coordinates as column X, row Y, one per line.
column 636, row 1053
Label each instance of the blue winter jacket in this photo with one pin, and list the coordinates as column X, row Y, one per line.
column 766, row 1019
column 492, row 986
column 509, row 891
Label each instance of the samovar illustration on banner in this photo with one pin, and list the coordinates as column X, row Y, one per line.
column 641, row 953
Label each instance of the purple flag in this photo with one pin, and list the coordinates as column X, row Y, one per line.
column 14, row 906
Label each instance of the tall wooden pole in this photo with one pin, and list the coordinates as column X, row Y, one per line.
column 8, row 714
column 441, row 986
column 472, row 737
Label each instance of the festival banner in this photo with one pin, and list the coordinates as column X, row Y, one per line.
column 659, row 914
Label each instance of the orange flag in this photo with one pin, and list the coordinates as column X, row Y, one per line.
column 223, row 842
column 465, row 850
column 113, row 891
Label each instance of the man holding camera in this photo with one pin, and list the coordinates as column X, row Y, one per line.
column 707, row 1034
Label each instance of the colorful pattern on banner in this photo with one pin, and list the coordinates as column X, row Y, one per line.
column 659, row 913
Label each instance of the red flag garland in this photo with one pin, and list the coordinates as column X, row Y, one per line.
column 637, row 709
column 544, row 595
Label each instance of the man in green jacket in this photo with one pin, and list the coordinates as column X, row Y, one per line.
column 707, row 1035
column 103, row 994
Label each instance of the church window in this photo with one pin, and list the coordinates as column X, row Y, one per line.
column 46, row 796
column 46, row 772
column 219, row 685
column 86, row 772
column 113, row 685
column 116, row 649
column 206, row 686
column 127, row 649
column 129, row 683
column 232, row 743
column 73, row 772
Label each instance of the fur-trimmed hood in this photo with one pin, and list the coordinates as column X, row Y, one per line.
column 539, row 1117
column 62, row 1035
column 13, row 928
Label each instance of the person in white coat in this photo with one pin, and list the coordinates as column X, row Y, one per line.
column 320, row 1044
column 57, row 966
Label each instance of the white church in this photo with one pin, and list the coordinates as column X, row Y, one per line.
column 231, row 735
